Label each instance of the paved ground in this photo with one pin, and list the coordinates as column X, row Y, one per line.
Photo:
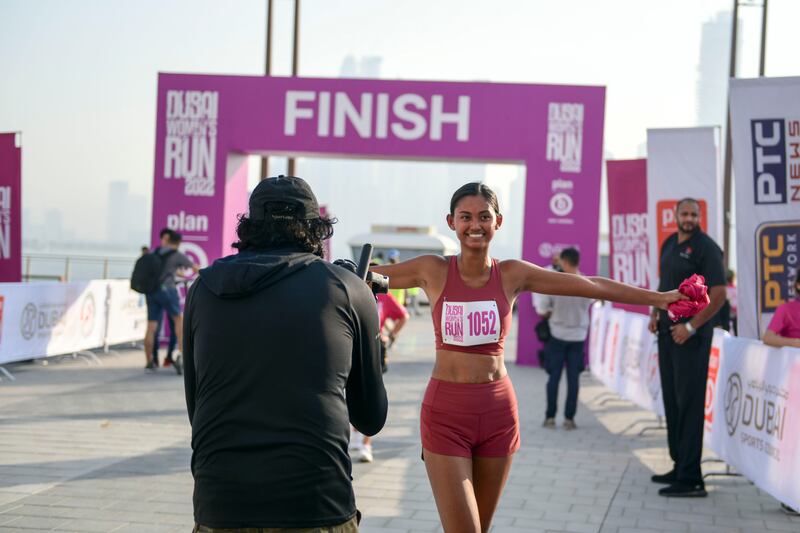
column 106, row 448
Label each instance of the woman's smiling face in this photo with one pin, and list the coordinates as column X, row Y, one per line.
column 474, row 222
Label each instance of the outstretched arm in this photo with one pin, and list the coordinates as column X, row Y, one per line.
column 415, row 272
column 529, row 277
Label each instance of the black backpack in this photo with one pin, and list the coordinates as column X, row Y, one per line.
column 148, row 270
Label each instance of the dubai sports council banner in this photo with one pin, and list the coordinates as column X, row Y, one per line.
column 10, row 209
column 752, row 419
column 627, row 213
column 682, row 162
column 765, row 125
column 43, row 319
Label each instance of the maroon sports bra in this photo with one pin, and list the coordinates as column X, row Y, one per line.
column 472, row 320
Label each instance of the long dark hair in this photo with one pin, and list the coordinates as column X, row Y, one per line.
column 307, row 235
column 475, row 188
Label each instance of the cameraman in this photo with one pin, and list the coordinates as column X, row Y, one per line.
column 281, row 353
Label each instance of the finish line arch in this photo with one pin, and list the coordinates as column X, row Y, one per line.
column 207, row 125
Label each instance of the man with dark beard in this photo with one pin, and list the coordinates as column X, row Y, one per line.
column 684, row 348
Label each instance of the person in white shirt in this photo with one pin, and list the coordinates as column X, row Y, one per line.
column 569, row 323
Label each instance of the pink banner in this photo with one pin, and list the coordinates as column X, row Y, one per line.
column 627, row 213
column 10, row 208
column 206, row 123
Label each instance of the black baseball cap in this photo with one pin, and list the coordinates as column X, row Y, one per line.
column 285, row 197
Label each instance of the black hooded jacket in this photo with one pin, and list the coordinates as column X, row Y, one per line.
column 281, row 352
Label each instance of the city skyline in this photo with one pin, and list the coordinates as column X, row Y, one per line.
column 97, row 128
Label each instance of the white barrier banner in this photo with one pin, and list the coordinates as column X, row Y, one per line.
column 612, row 367
column 127, row 313
column 623, row 354
column 752, row 415
column 682, row 162
column 765, row 129
column 41, row 319
column 641, row 382
column 597, row 335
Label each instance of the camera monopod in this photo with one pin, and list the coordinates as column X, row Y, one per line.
column 379, row 282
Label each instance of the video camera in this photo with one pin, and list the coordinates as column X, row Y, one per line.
column 378, row 282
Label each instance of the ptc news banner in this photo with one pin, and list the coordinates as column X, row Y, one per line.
column 753, row 394
column 765, row 124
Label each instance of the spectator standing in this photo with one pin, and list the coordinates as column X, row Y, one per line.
column 684, row 348
column 165, row 298
column 784, row 330
column 568, row 318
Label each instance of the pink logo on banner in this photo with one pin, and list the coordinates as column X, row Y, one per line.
column 627, row 211
column 207, row 124
column 10, row 208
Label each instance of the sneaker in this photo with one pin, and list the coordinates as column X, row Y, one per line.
column 549, row 423
column 177, row 363
column 355, row 440
column 665, row 479
column 680, row 490
column 569, row 424
column 365, row 455
column 167, row 362
column 149, row 368
column 788, row 510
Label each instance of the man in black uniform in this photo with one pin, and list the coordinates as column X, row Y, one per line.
column 281, row 354
column 684, row 347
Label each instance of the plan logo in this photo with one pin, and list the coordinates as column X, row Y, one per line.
column 565, row 135
column 733, row 402
column 776, row 161
column 561, row 204
column 183, row 221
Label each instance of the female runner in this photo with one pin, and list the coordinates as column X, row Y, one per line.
column 469, row 424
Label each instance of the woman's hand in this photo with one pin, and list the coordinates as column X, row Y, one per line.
column 665, row 298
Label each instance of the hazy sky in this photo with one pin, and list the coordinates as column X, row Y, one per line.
column 79, row 76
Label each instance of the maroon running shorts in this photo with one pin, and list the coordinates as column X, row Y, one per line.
column 470, row 419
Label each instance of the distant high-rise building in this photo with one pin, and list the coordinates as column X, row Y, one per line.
column 349, row 68
column 117, row 211
column 138, row 223
column 713, row 69
column 371, row 66
column 365, row 67
column 54, row 226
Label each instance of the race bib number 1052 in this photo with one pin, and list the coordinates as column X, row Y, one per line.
column 470, row 323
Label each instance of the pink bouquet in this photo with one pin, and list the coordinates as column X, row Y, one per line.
column 695, row 289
